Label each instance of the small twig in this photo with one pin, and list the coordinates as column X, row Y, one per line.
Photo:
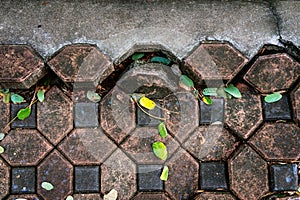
column 170, row 111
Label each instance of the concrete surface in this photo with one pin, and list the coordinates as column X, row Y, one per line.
column 116, row 26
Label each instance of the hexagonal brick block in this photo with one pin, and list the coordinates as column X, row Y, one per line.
column 87, row 146
column 211, row 143
column 278, row 141
column 83, row 64
column 24, row 147
column 147, row 75
column 20, row 67
column 139, row 145
column 56, row 170
column 215, row 61
column 151, row 196
column 55, row 115
column 296, row 104
column 117, row 114
column 4, row 178
column 183, row 175
column 274, row 72
column 244, row 115
column 248, row 174
column 4, row 118
column 119, row 172
column 186, row 120
column 215, row 196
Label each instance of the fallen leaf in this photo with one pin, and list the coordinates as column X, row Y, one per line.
column 1, row 149
column 162, row 60
column 160, row 150
column 93, row 96
column 234, row 91
column 271, row 98
column 47, row 186
column 16, row 98
column 207, row 100
column 186, row 81
column 2, row 135
column 162, row 130
column 6, row 98
column 210, row 91
column 147, row 103
column 24, row 113
column 165, row 173
column 69, row 197
column 137, row 56
column 40, row 95
column 112, row 195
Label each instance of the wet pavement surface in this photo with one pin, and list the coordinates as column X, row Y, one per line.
column 236, row 148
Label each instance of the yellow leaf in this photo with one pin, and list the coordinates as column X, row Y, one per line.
column 147, row 103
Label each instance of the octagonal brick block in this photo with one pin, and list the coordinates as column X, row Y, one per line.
column 4, row 178
column 274, row 72
column 117, row 114
column 215, row 196
column 296, row 103
column 278, row 141
column 183, row 175
column 55, row 115
column 119, row 172
column 244, row 115
column 24, row 147
column 4, row 118
column 56, row 170
column 186, row 120
column 211, row 143
column 151, row 196
column 82, row 64
column 20, row 67
column 87, row 146
column 248, row 174
column 139, row 145
column 211, row 61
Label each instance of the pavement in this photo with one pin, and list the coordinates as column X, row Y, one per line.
column 238, row 148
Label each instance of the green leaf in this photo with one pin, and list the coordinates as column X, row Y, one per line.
column 2, row 135
column 147, row 103
column 185, row 80
column 159, row 59
column 93, row 96
column 1, row 149
column 47, row 186
column 6, row 98
column 207, row 100
column 4, row 91
column 15, row 98
column 221, row 93
column 69, row 197
column 210, row 91
column 271, row 98
column 41, row 95
column 162, row 130
column 137, row 56
column 160, row 150
column 112, row 195
column 165, row 173
column 234, row 91
column 24, row 113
